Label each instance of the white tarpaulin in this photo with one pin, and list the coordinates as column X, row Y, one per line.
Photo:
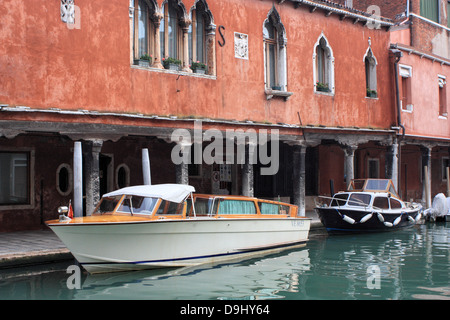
column 170, row 192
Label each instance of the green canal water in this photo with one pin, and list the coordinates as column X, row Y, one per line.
column 408, row 264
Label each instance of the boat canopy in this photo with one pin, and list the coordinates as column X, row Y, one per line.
column 374, row 185
column 170, row 192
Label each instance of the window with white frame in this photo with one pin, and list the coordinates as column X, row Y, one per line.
column 14, row 178
column 405, row 73
column 442, row 87
column 370, row 63
column 274, row 36
column 323, row 61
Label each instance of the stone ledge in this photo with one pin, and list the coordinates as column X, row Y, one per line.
column 277, row 93
column 34, row 257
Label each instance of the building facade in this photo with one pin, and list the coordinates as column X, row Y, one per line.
column 420, row 39
column 293, row 95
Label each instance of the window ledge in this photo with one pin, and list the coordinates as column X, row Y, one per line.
column 442, row 117
column 277, row 93
column 184, row 73
column 409, row 108
column 325, row 93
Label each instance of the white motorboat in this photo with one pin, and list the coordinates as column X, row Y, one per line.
column 154, row 226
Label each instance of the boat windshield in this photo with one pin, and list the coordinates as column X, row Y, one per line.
column 137, row 205
column 377, row 184
column 107, row 204
column 339, row 199
column 359, row 199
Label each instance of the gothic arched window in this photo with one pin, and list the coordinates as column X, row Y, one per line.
column 274, row 37
column 323, row 61
column 370, row 64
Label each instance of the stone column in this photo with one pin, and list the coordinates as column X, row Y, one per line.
column 211, row 49
column 392, row 164
column 349, row 162
column 77, row 180
column 426, row 185
column 185, row 27
column 182, row 169
column 299, row 183
column 146, row 171
column 157, row 17
column 282, row 70
column 92, row 167
column 131, row 15
column 247, row 171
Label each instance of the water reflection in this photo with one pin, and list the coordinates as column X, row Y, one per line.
column 411, row 264
column 261, row 278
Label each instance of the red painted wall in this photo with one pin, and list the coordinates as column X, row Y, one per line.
column 44, row 64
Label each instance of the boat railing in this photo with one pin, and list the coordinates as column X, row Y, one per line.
column 345, row 201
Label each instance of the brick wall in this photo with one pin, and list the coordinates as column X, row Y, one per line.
column 388, row 8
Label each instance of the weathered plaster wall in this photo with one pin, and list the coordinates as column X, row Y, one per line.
column 46, row 65
column 424, row 120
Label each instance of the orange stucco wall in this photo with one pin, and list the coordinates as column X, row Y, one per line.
column 424, row 119
column 44, row 64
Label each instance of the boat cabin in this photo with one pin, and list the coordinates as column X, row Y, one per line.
column 175, row 202
column 378, row 193
column 221, row 205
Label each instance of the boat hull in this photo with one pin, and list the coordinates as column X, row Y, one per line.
column 359, row 221
column 109, row 247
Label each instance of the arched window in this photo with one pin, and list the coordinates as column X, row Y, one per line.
column 143, row 31
column 201, row 38
column 160, row 33
column 122, row 176
column 370, row 64
column 274, row 36
column 323, row 61
column 171, row 34
column 143, row 26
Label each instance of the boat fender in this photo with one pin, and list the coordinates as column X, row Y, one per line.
column 348, row 219
column 419, row 215
column 397, row 220
column 380, row 217
column 366, row 217
column 411, row 219
column 388, row 224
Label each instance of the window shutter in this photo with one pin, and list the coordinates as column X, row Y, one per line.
column 429, row 9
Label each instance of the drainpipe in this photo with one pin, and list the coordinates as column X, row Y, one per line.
column 397, row 56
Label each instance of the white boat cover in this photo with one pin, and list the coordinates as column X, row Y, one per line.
column 170, row 192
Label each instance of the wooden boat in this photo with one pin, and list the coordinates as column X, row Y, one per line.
column 368, row 205
column 157, row 226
